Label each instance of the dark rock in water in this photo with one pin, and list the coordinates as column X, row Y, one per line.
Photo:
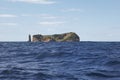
column 29, row 38
column 65, row 37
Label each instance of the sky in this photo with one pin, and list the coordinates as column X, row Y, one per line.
column 92, row 20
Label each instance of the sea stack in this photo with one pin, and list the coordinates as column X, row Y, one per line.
column 29, row 38
column 65, row 37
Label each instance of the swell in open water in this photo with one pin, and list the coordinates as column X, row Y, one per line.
column 60, row 61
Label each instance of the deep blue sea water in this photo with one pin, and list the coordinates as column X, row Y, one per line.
column 60, row 61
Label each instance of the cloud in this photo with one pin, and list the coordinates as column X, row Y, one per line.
column 46, row 16
column 8, row 24
column 72, row 10
column 7, row 16
column 49, row 17
column 43, row 16
column 51, row 23
column 35, row 1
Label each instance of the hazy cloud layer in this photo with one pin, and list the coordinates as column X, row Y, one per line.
column 51, row 23
column 35, row 1
column 72, row 10
column 43, row 16
column 8, row 24
column 7, row 16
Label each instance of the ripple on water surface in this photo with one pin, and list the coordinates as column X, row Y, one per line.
column 60, row 61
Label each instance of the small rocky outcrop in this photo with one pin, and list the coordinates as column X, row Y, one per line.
column 65, row 37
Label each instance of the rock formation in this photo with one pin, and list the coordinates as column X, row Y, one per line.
column 65, row 37
column 29, row 38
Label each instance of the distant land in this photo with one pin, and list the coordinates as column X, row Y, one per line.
column 64, row 37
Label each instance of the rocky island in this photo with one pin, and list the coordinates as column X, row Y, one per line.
column 65, row 37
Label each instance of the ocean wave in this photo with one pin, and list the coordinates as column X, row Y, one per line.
column 59, row 61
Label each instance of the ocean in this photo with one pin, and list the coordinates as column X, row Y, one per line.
column 60, row 61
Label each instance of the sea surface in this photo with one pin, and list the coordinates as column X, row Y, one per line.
column 60, row 61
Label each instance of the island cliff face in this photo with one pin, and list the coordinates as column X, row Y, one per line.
column 65, row 37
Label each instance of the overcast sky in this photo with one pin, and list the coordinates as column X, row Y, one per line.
column 92, row 20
